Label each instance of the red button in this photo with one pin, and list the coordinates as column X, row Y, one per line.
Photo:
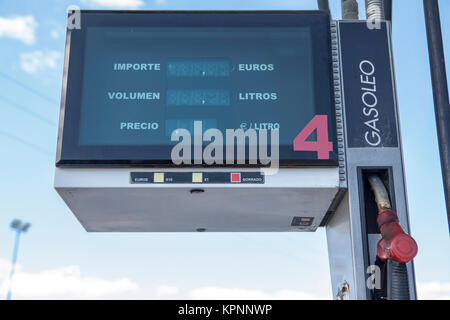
column 235, row 177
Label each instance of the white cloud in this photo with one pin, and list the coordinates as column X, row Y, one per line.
column 56, row 33
column 61, row 283
column 165, row 290
column 21, row 28
column 35, row 61
column 433, row 290
column 124, row 4
column 4, row 269
column 217, row 293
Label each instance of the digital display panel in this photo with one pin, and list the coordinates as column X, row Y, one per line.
column 139, row 80
column 199, row 68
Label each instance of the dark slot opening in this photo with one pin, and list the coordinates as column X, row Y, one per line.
column 369, row 213
column 369, row 205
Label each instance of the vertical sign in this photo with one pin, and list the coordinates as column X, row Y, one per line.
column 368, row 86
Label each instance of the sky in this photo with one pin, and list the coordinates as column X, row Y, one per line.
column 58, row 259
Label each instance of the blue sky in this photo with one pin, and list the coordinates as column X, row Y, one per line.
column 58, row 259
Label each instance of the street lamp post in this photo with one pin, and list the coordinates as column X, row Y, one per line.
column 440, row 90
column 19, row 227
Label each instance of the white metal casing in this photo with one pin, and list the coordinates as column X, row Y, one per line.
column 106, row 200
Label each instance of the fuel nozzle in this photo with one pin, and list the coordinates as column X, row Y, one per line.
column 395, row 244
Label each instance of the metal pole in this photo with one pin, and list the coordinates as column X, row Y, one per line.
column 324, row 5
column 388, row 10
column 13, row 264
column 440, row 90
column 349, row 10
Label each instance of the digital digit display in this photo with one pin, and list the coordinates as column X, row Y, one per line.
column 198, row 98
column 199, row 68
column 133, row 80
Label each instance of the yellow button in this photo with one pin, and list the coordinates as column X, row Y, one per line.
column 158, row 177
column 197, row 177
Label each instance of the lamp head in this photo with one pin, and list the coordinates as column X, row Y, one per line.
column 26, row 226
column 16, row 224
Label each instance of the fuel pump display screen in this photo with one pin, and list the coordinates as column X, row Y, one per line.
column 135, row 79
column 141, row 85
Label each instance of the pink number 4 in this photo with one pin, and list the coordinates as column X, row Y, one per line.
column 322, row 146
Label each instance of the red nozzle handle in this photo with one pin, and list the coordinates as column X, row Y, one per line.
column 395, row 244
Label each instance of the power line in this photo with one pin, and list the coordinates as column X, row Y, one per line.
column 34, row 91
column 29, row 144
column 27, row 110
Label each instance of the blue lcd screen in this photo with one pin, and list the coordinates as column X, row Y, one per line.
column 132, row 79
column 136, row 79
